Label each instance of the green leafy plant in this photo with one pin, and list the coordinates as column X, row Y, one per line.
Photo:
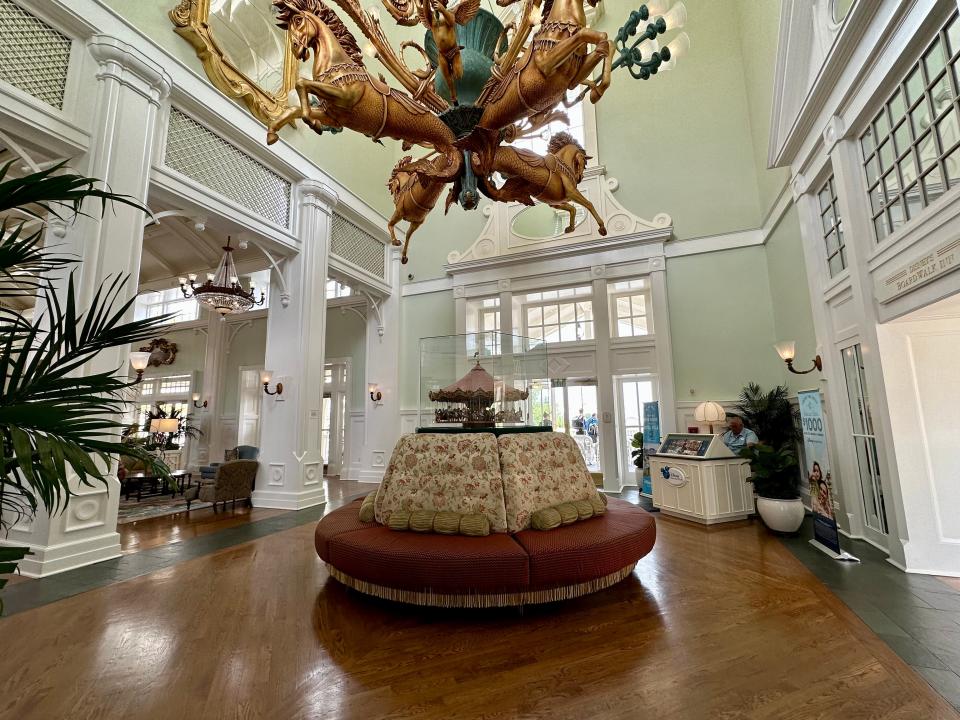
column 165, row 441
column 637, row 452
column 769, row 414
column 773, row 471
column 55, row 422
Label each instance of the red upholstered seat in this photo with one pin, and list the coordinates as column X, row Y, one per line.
column 431, row 563
column 346, row 519
column 589, row 549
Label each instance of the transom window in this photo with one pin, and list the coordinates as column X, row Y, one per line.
column 336, row 289
column 154, row 304
column 483, row 326
column 832, row 228
column 630, row 313
column 564, row 315
column 910, row 150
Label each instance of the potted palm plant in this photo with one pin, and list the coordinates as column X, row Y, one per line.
column 773, row 472
column 56, row 423
column 637, row 454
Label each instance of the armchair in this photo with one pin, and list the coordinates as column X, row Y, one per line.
column 233, row 480
column 240, row 452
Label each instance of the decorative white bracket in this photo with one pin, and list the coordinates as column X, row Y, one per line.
column 374, row 305
column 284, row 291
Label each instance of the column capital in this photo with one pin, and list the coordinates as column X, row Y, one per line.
column 798, row 185
column 130, row 67
column 658, row 263
column 833, row 133
column 318, row 194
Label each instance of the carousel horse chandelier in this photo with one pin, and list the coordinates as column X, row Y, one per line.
column 496, row 83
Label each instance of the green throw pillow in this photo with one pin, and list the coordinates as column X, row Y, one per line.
column 546, row 519
column 567, row 513
column 446, row 522
column 366, row 509
column 598, row 502
column 584, row 509
column 399, row 520
column 474, row 524
column 422, row 520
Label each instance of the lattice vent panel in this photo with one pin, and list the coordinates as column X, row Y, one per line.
column 33, row 56
column 213, row 162
column 357, row 246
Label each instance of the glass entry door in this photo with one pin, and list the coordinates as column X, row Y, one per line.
column 632, row 393
column 865, row 442
column 575, row 400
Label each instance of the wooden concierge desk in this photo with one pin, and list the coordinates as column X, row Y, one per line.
column 697, row 477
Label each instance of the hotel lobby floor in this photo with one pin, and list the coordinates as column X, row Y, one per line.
column 718, row 623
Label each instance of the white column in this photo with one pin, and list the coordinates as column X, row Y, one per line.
column 664, row 346
column 211, row 444
column 130, row 89
column 291, row 467
column 606, row 408
column 381, row 427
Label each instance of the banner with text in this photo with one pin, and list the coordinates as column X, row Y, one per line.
column 651, row 441
column 818, row 470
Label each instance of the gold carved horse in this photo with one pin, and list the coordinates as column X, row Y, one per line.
column 346, row 94
column 551, row 179
column 414, row 196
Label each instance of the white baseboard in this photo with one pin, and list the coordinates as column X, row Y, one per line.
column 54, row 559
column 289, row 500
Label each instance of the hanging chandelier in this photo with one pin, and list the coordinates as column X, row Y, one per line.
column 222, row 291
column 484, row 85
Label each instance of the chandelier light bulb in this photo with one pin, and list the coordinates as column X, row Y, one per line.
column 182, row 280
column 657, row 7
column 192, row 277
column 678, row 47
column 369, row 50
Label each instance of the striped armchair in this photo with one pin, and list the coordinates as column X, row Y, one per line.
column 233, row 480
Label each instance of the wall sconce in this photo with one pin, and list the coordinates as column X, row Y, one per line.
column 787, row 350
column 139, row 362
column 196, row 403
column 265, row 377
column 375, row 394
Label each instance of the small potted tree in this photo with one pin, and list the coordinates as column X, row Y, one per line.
column 637, row 454
column 773, row 472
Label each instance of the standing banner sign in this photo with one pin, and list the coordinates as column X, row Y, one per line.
column 651, row 441
column 825, row 534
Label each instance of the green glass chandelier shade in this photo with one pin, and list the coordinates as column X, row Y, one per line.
column 478, row 38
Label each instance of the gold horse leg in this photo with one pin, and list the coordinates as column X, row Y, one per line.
column 577, row 197
column 569, row 208
column 290, row 114
column 590, row 62
column 411, row 229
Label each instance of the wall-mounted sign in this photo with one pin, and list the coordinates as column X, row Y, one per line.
column 936, row 263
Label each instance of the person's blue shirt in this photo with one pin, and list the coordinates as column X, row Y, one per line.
column 737, row 441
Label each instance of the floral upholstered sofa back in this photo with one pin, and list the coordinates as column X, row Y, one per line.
column 456, row 472
column 541, row 470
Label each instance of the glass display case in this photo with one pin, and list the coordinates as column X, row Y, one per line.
column 483, row 380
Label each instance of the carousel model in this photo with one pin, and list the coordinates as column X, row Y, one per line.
column 470, row 401
column 496, row 84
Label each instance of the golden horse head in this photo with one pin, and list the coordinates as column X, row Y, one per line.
column 302, row 18
column 570, row 152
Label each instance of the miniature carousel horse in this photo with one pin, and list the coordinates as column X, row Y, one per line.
column 346, row 94
column 551, row 179
column 414, row 196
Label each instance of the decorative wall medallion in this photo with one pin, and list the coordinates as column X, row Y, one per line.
column 503, row 283
column 84, row 511
column 598, row 270
column 162, row 352
column 276, row 474
column 377, row 459
column 459, row 291
column 311, row 473
column 798, row 185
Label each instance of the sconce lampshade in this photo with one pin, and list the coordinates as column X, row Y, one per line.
column 786, row 349
column 710, row 412
column 266, row 376
column 164, row 425
column 139, row 360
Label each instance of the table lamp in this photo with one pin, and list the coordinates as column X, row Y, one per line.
column 711, row 413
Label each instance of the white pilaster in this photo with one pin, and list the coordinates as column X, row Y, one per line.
column 130, row 90
column 291, row 467
column 211, row 443
column 664, row 347
column 606, row 408
column 382, row 419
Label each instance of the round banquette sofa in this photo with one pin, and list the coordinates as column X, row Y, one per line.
column 472, row 520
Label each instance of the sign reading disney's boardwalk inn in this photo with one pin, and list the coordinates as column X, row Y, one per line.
column 936, row 263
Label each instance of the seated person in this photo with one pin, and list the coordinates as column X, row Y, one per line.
column 737, row 437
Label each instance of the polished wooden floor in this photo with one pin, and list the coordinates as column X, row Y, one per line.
column 716, row 624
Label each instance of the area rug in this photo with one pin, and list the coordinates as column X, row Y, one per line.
column 131, row 510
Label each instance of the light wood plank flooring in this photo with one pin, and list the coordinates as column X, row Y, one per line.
column 714, row 624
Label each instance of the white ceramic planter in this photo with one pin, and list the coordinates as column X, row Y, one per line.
column 781, row 515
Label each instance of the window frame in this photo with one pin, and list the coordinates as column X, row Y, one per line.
column 836, row 228
column 642, row 290
column 575, row 298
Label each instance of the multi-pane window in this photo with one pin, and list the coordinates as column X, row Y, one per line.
column 171, row 392
column 539, row 141
column 483, row 318
column 910, row 149
column 832, row 228
column 154, row 304
column 558, row 315
column 630, row 312
column 336, row 289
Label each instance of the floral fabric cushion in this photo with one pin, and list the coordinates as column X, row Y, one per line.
column 541, row 470
column 459, row 473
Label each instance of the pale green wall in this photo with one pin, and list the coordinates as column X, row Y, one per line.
column 792, row 315
column 191, row 346
column 759, row 31
column 247, row 350
column 347, row 338
column 427, row 315
column 721, row 324
column 352, row 159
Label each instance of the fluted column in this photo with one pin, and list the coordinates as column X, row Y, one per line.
column 291, row 467
column 130, row 90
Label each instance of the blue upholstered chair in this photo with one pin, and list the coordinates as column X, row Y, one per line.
column 240, row 452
